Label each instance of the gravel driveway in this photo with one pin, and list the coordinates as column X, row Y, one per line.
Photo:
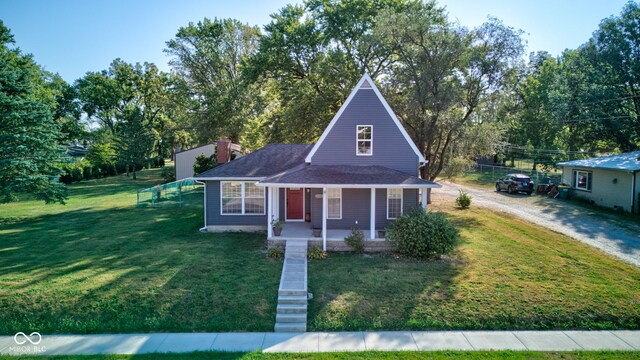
column 608, row 232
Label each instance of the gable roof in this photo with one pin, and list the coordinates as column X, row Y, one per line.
column 271, row 159
column 366, row 83
column 627, row 162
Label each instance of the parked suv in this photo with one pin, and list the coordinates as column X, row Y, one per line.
column 515, row 183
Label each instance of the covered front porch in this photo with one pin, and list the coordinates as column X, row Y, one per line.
column 304, row 231
column 366, row 208
column 332, row 199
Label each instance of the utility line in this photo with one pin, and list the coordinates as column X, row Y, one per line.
column 576, row 120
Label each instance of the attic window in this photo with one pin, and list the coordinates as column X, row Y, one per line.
column 364, row 140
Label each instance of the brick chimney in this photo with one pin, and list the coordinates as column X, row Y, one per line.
column 224, row 151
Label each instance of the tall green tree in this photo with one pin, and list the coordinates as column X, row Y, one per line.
column 443, row 75
column 310, row 58
column 28, row 134
column 135, row 139
column 210, row 57
column 110, row 95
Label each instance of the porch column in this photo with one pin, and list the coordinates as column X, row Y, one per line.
column 269, row 212
column 275, row 197
column 425, row 198
column 373, row 213
column 325, row 203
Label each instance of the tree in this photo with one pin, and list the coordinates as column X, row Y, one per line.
column 615, row 53
column 28, row 133
column 102, row 152
column 67, row 111
column 135, row 139
column 209, row 57
column 310, row 58
column 443, row 75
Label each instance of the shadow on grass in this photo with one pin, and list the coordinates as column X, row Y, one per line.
column 132, row 269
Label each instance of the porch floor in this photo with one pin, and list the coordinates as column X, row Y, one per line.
column 303, row 231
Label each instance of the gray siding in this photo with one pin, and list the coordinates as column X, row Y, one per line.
column 604, row 192
column 390, row 149
column 214, row 217
column 356, row 205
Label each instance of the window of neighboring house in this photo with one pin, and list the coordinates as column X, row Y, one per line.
column 241, row 198
column 364, row 140
column 582, row 180
column 394, row 203
column 334, row 203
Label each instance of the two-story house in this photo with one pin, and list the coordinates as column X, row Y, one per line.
column 363, row 172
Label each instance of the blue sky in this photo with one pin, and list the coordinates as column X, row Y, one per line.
column 71, row 37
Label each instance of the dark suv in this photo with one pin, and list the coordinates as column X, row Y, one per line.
column 515, row 183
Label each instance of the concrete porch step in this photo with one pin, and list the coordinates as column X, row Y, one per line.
column 290, row 327
column 291, row 309
column 291, row 318
column 292, row 292
column 292, row 299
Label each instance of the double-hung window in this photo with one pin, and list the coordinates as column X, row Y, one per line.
column 241, row 198
column 364, row 140
column 582, row 180
column 334, row 203
column 394, row 203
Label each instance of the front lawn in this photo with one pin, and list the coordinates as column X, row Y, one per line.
column 100, row 265
column 506, row 274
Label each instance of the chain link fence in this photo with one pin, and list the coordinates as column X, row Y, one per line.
column 491, row 173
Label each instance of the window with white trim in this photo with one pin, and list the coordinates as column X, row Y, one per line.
column 394, row 203
column 334, row 203
column 241, row 198
column 364, row 140
column 582, row 180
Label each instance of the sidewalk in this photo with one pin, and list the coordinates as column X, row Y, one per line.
column 325, row 342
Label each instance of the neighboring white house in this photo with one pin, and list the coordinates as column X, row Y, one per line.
column 184, row 160
column 612, row 181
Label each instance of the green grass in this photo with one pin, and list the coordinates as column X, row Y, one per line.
column 436, row 355
column 484, row 180
column 99, row 264
column 506, row 274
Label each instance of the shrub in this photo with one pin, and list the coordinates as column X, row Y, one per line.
column 87, row 172
column 316, row 253
column 422, row 235
column 204, row 163
column 463, row 200
column 168, row 174
column 275, row 253
column 455, row 168
column 355, row 240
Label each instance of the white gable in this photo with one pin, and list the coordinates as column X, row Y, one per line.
column 365, row 83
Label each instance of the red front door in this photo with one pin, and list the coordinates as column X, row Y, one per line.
column 295, row 204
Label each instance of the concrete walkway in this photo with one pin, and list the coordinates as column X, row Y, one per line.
column 291, row 312
column 325, row 342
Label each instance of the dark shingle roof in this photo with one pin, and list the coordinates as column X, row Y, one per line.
column 346, row 175
column 271, row 159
